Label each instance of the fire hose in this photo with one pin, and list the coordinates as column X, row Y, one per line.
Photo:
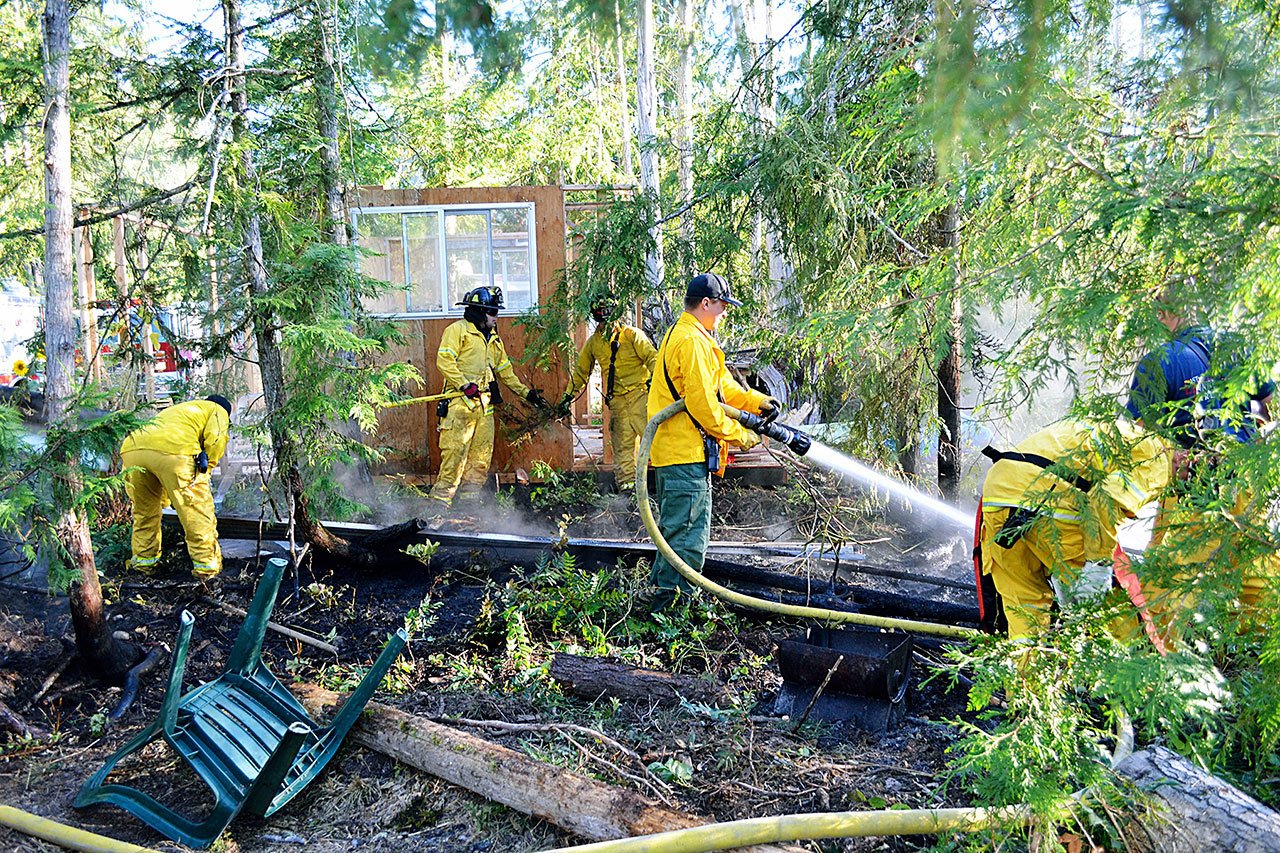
column 64, row 836
column 799, row 443
column 431, row 398
column 803, row 827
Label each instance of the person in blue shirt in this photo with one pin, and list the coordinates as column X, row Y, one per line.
column 1179, row 385
column 1173, row 386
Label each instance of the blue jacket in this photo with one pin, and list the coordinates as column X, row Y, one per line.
column 1173, row 386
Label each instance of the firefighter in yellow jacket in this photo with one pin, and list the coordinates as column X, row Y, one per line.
column 1050, row 509
column 688, row 448
column 626, row 358
column 471, row 359
column 171, row 457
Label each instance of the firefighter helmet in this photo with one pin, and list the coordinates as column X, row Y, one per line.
column 484, row 297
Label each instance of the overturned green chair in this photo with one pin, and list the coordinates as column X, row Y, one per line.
column 244, row 734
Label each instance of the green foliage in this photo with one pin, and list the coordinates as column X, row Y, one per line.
column 555, row 488
column 607, row 262
column 38, row 485
column 582, row 610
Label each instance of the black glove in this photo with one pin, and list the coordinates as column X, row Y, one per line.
column 792, row 438
column 538, row 401
column 471, row 390
column 202, row 462
column 770, row 408
column 564, row 407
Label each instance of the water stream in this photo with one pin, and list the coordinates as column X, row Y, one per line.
column 834, row 460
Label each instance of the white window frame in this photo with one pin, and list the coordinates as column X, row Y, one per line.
column 442, row 210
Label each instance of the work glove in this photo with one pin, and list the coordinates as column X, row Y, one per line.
column 202, row 462
column 564, row 407
column 747, row 440
column 538, row 401
column 471, row 390
column 1091, row 583
column 770, row 408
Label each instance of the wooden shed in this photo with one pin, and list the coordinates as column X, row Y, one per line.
column 438, row 244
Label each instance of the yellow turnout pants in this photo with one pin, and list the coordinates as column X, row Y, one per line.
column 1021, row 573
column 163, row 479
column 466, row 448
column 628, row 414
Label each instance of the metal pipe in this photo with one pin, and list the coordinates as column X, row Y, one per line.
column 697, row 579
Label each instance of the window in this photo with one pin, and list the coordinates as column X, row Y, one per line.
column 436, row 254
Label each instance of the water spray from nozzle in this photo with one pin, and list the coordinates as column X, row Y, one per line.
column 831, row 459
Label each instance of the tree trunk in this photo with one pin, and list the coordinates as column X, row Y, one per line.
column 620, row 63
column 592, row 678
column 684, row 95
column 103, row 654
column 1197, row 811
column 583, row 806
column 326, row 92
column 949, row 372
column 265, row 321
column 647, row 135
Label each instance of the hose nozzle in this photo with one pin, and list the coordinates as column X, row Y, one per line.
column 793, row 438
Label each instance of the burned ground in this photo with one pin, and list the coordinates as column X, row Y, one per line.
column 484, row 630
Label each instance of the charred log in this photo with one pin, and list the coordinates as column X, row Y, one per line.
column 592, row 678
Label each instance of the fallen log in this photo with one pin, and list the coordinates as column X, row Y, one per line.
column 572, row 802
column 1195, row 810
column 592, row 678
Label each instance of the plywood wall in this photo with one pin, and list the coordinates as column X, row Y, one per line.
column 410, row 434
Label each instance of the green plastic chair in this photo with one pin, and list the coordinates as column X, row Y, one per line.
column 244, row 734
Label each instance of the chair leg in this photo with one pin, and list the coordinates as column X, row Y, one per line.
column 268, row 783
column 164, row 820
column 350, row 711
column 247, row 651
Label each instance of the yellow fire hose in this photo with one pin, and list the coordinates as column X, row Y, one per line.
column 448, row 395
column 805, row 827
column 651, row 525
column 63, row 835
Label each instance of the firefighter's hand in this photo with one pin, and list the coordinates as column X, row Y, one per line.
column 564, row 407
column 748, row 439
column 770, row 408
column 471, row 390
column 538, row 401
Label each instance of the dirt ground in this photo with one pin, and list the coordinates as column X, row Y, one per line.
column 721, row 763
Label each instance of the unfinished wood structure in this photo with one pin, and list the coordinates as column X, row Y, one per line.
column 437, row 244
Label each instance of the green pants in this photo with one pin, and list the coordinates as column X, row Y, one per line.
column 684, row 517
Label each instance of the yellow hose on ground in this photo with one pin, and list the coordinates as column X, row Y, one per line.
column 651, row 525
column 63, row 835
column 805, row 827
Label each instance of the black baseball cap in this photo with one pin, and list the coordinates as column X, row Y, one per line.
column 221, row 401
column 708, row 285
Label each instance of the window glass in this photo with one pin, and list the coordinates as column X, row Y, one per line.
column 381, row 235
column 422, row 236
column 511, row 251
column 466, row 237
column 435, row 255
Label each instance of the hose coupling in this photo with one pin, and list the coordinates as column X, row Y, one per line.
column 793, row 438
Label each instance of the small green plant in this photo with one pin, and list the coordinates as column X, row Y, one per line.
column 674, row 770
column 553, row 488
column 98, row 725
column 423, row 552
column 418, row 621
